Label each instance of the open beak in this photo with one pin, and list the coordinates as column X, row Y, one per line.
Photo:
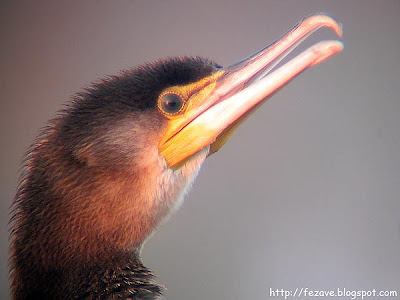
column 223, row 100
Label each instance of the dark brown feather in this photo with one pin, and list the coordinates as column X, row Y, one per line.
column 94, row 188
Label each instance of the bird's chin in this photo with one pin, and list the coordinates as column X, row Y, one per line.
column 182, row 177
column 192, row 164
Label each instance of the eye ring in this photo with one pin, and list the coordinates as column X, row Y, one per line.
column 171, row 103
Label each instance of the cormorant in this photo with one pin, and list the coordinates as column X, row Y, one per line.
column 119, row 159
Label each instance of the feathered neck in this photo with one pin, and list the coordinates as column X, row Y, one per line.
column 77, row 226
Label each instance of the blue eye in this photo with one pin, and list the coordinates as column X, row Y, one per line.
column 171, row 103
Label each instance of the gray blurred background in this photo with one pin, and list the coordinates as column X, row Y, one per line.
column 305, row 194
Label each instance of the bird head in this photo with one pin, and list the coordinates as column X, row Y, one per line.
column 121, row 156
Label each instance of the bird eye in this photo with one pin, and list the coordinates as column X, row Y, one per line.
column 171, row 103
